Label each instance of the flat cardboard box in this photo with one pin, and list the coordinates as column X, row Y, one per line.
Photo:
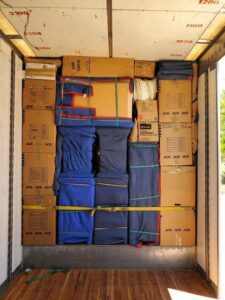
column 144, row 69
column 178, row 185
column 97, row 66
column 175, row 100
column 40, row 71
column 104, row 99
column 175, row 144
column 49, row 61
column 148, row 131
column 39, row 225
column 38, row 174
column 147, row 110
column 194, row 137
column 194, row 85
column 39, row 94
column 177, row 228
column 133, row 137
column 39, row 131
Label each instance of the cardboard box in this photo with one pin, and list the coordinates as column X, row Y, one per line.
column 178, row 185
column 147, row 110
column 97, row 66
column 194, row 85
column 38, row 174
column 104, row 99
column 175, row 144
column 40, row 71
column 177, row 228
column 49, row 61
column 133, row 137
column 148, row 131
column 194, row 137
column 39, row 94
column 39, row 131
column 144, row 69
column 175, row 101
column 39, row 225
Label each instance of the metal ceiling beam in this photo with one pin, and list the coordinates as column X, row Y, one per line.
column 109, row 17
column 9, row 42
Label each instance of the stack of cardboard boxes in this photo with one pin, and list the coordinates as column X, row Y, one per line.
column 39, row 147
column 177, row 172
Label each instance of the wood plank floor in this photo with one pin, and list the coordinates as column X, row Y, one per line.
column 108, row 285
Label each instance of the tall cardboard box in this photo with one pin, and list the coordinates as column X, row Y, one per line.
column 175, row 100
column 86, row 66
column 147, row 110
column 144, row 69
column 38, row 174
column 39, row 131
column 177, row 228
column 105, row 101
column 178, row 185
column 39, row 94
column 49, row 61
column 39, row 225
column 175, row 144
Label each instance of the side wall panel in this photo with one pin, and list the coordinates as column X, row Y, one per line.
column 213, row 177
column 16, row 246
column 201, row 175
column 5, row 84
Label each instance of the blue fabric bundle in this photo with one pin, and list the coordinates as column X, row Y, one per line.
column 77, row 149
column 75, row 226
column 113, row 149
column 111, row 227
column 143, row 191
column 175, row 70
column 68, row 116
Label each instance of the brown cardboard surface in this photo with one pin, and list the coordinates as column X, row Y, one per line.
column 55, row 61
column 39, row 94
column 144, row 69
column 39, row 131
column 194, row 137
column 148, row 131
column 133, row 137
column 194, row 85
column 97, row 66
column 177, row 185
column 147, row 110
column 175, row 144
column 38, row 174
column 104, row 99
column 175, row 101
column 39, row 226
column 177, row 228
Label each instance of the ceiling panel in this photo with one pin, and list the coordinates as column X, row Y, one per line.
column 157, row 35
column 59, row 31
column 175, row 5
column 54, row 3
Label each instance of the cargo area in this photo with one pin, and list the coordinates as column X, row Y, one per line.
column 112, row 149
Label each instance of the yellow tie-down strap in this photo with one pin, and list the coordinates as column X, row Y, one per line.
column 111, row 209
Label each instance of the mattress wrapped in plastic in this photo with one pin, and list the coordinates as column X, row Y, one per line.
column 111, row 227
column 75, row 227
column 77, row 149
column 175, row 70
column 113, row 149
column 143, row 192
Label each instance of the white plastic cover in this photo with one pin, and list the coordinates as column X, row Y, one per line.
column 145, row 89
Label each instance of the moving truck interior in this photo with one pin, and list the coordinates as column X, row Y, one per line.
column 112, row 147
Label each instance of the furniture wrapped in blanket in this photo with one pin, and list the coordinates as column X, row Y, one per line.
column 175, row 70
column 94, row 102
column 111, row 227
column 77, row 149
column 113, row 149
column 75, row 227
column 143, row 191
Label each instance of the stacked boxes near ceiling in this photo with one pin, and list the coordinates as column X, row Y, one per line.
column 39, row 147
column 94, row 117
column 177, row 171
